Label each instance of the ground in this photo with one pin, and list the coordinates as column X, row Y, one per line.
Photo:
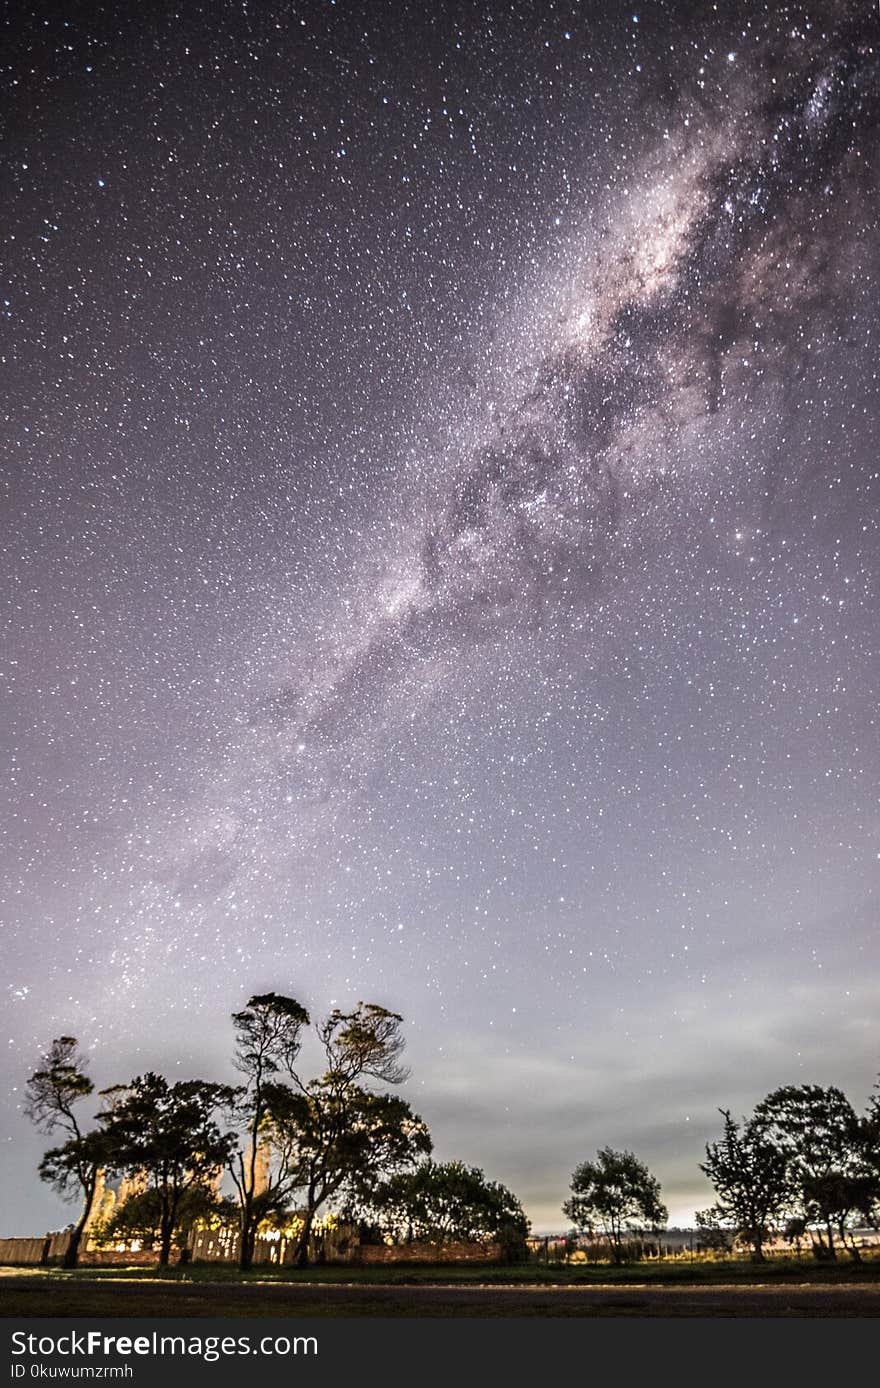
column 645, row 1290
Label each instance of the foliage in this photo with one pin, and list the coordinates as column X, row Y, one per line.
column 750, row 1176
column 867, row 1161
column 53, row 1090
column 140, row 1217
column 326, row 1138
column 71, row 1168
column 346, row 1139
column 716, row 1235
column 615, row 1193
column 364, row 1044
column 447, row 1202
column 817, row 1131
column 804, row 1157
column 793, row 1231
column 169, row 1134
column 268, row 1036
column 268, row 1039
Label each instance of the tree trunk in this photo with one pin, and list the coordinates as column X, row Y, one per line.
column 249, row 1184
column 166, row 1232
column 832, row 1251
column 852, row 1245
column 248, row 1237
column 168, row 1222
column 246, row 1253
column 302, row 1251
column 71, row 1256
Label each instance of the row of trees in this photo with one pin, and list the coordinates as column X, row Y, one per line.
column 804, row 1164
column 278, row 1138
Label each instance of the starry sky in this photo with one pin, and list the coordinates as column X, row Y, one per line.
column 440, row 555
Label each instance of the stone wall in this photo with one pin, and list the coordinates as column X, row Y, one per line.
column 338, row 1246
column 430, row 1253
column 114, row 1258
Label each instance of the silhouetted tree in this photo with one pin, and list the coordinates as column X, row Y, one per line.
column 446, row 1202
column 816, row 1131
column 867, row 1160
column 750, row 1174
column 341, row 1136
column 140, row 1217
column 268, row 1040
column 716, row 1232
column 324, row 1137
column 615, row 1193
column 169, row 1134
column 72, row 1168
column 348, row 1139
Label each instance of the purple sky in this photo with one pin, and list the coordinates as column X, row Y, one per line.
column 440, row 556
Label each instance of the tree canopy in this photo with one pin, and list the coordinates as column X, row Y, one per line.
column 750, row 1176
column 268, row 1038
column 449, row 1202
column 614, row 1194
column 320, row 1139
column 817, row 1132
column 169, row 1134
column 52, row 1095
column 140, row 1216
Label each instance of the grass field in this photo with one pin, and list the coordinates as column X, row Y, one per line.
column 720, row 1288
column 666, row 1271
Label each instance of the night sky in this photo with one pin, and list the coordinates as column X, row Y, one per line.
column 440, row 555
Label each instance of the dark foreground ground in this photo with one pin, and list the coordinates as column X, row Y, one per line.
column 27, row 1294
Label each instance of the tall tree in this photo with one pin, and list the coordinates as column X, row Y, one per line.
column 268, row 1040
column 334, row 1136
column 750, row 1175
column 72, row 1168
column 616, row 1193
column 815, row 1129
column 168, row 1133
